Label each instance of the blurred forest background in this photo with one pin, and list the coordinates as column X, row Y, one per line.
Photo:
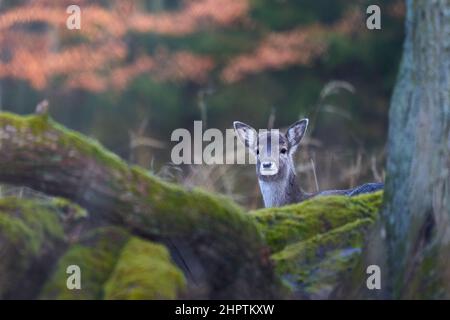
column 137, row 70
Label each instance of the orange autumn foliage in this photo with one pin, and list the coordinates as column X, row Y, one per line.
column 101, row 61
column 283, row 49
column 97, row 57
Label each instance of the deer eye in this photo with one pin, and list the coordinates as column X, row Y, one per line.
column 283, row 150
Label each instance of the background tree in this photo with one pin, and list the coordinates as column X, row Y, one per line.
column 416, row 219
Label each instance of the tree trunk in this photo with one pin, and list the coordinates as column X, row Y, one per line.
column 416, row 219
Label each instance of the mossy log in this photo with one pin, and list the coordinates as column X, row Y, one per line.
column 40, row 154
column 227, row 253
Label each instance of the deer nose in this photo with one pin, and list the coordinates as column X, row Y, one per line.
column 267, row 165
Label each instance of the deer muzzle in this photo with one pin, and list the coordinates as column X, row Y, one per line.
column 268, row 168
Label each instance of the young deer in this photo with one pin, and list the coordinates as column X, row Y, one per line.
column 275, row 167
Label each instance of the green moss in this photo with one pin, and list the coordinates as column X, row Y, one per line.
column 144, row 271
column 115, row 266
column 313, row 249
column 18, row 233
column 174, row 210
column 29, row 229
column 316, row 242
column 76, row 212
column 285, row 225
column 96, row 255
column 27, row 223
column 37, row 123
column 42, row 127
column 315, row 266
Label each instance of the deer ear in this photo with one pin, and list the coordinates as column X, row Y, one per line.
column 295, row 133
column 246, row 134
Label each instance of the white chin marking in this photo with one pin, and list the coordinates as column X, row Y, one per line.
column 269, row 172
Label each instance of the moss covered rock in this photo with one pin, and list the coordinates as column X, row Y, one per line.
column 290, row 224
column 31, row 230
column 115, row 265
column 144, row 271
column 96, row 254
column 314, row 245
column 316, row 242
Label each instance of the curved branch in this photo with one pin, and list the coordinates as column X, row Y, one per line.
column 41, row 154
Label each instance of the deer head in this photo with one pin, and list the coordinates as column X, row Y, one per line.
column 273, row 150
column 275, row 166
column 274, row 160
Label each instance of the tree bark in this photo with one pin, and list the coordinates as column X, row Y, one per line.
column 225, row 243
column 416, row 219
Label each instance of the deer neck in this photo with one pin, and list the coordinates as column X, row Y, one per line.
column 280, row 192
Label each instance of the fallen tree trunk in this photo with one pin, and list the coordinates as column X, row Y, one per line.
column 39, row 153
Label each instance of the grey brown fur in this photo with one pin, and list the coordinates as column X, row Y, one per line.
column 275, row 166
